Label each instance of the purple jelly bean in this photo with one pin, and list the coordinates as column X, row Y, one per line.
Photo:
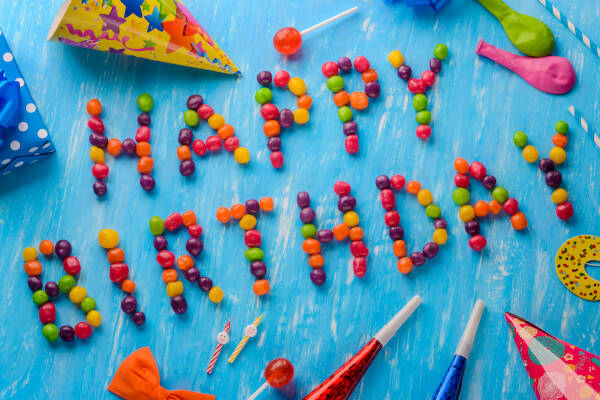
column 264, row 78
column 472, row 227
column 67, row 333
column 51, row 289
column 382, row 182
column 258, row 269
column 404, row 72
column 194, row 101
column 553, row 178
column 178, row 304
column 194, row 246
column 396, row 232
column 318, row 276
column 98, row 140
column 418, row 258
column 160, row 243
column 286, row 118
column 346, row 203
column 307, row 215
column 435, row 65
column 138, row 318
column 62, row 248
column 350, row 128
column 129, row 304
column 430, row 250
column 344, row 64
column 274, row 143
column 205, row 283
column 325, row 235
column 144, row 119
column 186, row 136
column 546, row 165
column 192, row 274
column 99, row 188
column 488, row 182
column 147, row 182
column 128, row 146
column 187, row 167
column 303, row 199
column 252, row 207
column 440, row 223
column 34, row 283
column 372, row 89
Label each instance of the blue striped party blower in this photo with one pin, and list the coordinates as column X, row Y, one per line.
column 585, row 126
column 449, row 388
column 571, row 27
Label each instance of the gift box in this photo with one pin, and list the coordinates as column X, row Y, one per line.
column 24, row 138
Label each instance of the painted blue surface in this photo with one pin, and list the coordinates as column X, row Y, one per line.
column 476, row 107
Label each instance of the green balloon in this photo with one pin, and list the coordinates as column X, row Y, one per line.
column 530, row 35
column 254, row 254
column 309, row 231
column 157, row 225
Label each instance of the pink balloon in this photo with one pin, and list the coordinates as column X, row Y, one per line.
column 550, row 74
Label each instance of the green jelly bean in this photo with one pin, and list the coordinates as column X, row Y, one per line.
column 191, row 118
column 263, row 95
column 145, row 102
column 335, row 83
column 420, row 102
column 88, row 304
column 423, row 117
column 500, row 194
column 309, row 231
column 50, row 332
column 440, row 51
column 345, row 113
column 562, row 127
column 530, row 35
column 66, row 283
column 433, row 211
column 157, row 225
column 461, row 196
column 254, row 254
column 39, row 297
column 520, row 139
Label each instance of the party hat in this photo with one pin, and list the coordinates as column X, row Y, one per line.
column 341, row 384
column 159, row 30
column 449, row 388
column 558, row 370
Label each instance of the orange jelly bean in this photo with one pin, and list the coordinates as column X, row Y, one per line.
column 184, row 153
column 518, row 221
column 400, row 249
column 144, row 149
column 114, row 147
column 238, row 211
column 128, row 286
column 316, row 261
column 311, row 246
column 356, row 233
column 481, row 208
column 261, row 287
column 461, row 165
column 341, row 231
column 359, row 100
column 33, row 268
column 413, row 187
column 341, row 98
column 369, row 75
column 226, row 131
column 266, row 204
column 271, row 128
column 94, row 107
column 223, row 214
column 560, row 140
column 495, row 207
column 169, row 275
column 304, row 101
column 189, row 218
column 185, row 262
column 405, row 265
column 145, row 165
column 46, row 247
column 115, row 255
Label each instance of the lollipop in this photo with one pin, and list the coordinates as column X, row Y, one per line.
column 278, row 373
column 288, row 40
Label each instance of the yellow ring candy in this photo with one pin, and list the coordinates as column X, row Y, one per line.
column 570, row 262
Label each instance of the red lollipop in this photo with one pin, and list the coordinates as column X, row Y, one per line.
column 288, row 40
column 278, row 373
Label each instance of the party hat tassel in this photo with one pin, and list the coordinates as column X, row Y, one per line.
column 341, row 384
column 449, row 388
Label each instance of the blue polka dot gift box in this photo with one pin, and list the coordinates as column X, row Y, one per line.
column 24, row 138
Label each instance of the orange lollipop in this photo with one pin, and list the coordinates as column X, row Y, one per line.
column 278, row 373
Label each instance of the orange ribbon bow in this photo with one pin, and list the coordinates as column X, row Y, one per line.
column 137, row 379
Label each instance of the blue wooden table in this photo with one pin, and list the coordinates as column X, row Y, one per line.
column 476, row 105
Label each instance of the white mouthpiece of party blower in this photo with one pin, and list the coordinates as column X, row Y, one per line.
column 389, row 330
column 466, row 341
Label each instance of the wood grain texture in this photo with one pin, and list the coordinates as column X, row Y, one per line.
column 476, row 107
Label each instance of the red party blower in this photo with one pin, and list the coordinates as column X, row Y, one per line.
column 341, row 384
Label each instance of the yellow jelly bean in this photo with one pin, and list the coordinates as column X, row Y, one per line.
column 559, row 196
column 248, row 222
column 216, row 121
column 108, row 238
column 466, row 213
column 351, row 218
column 97, row 154
column 297, row 86
column 77, row 294
column 558, row 155
column 241, row 155
column 396, row 58
column 301, row 116
column 174, row 288
column 530, row 153
column 94, row 318
column 424, row 197
column 29, row 254
column 440, row 236
column 216, row 294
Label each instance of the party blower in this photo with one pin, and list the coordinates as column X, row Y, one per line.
column 449, row 388
column 341, row 384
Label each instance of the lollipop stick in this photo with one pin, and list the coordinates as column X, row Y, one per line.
column 335, row 17
column 259, row 391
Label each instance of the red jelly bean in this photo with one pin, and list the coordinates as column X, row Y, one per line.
column 96, row 125
column 165, row 258
column 231, row 143
column 361, row 64
column 477, row 242
column 281, row 78
column 358, row 248
column 477, row 170
column 142, row 134
column 359, row 265
column 100, row 171
column 205, row 111
column 199, row 147
column 173, row 221
column 213, row 143
column 392, row 218
column 118, row 272
column 71, row 265
column 195, row 230
column 329, row 69
column 398, row 181
column 416, row 86
column 341, row 188
column 564, row 211
column 269, row 111
column 47, row 313
column 428, row 78
column 83, row 330
column 351, row 144
column 388, row 199
column 461, row 181
column 511, row 206
column 252, row 238
column 277, row 159
column 423, row 131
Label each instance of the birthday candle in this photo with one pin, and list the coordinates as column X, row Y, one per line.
column 249, row 332
column 585, row 126
column 222, row 339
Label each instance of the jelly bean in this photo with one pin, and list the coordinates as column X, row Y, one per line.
column 174, row 288
column 488, row 182
column 359, row 266
column 461, row 166
column 518, row 221
column 350, row 128
column 281, row 78
column 46, row 247
column 189, row 218
column 205, row 283
column 96, row 125
column 341, row 188
column 204, row 112
column 396, row 58
column 382, row 182
column 271, row 128
column 423, row 132
column 145, row 165
column 329, row 69
column 66, row 283
column 316, row 261
column 558, row 155
column 39, row 297
column 433, row 211
column 398, row 182
column 372, row 90
column 560, row 140
column 355, row 233
column 404, row 72
column 34, row 283
column 195, row 230
column 477, row 170
column 466, row 213
column 128, row 146
column 559, row 196
column 254, row 254
column 194, row 246
column 263, row 95
column 307, row 215
column 29, row 254
column 266, row 204
column 344, row 64
column 100, row 171
column 241, row 155
column 562, row 127
column 440, row 223
column 165, row 258
column 50, row 332
column 216, row 121
column 405, row 265
column 147, row 182
column 399, row 248
column 461, row 181
column 341, row 231
column 94, row 319
column 185, row 262
column 500, row 194
column 361, row 64
column 113, row 147
column 369, row 75
column 169, row 275
column 194, row 101
column 553, row 178
column 142, row 134
column 94, row 107
column 345, row 113
column 129, row 303
column 252, row 238
column 62, row 248
column 52, row 289
column 225, row 131
column 186, row 136
column 520, row 139
column 510, row 206
column 416, row 86
column 216, row 295
column 440, row 236
column 396, row 232
column 530, row 154
column 472, row 227
column 187, row 168
column 67, row 333
column 420, row 102
column 297, row 86
column 388, row 199
column 144, row 119
column 351, row 218
column 424, row 197
column 118, row 272
column 428, row 78
column 351, row 144
column 88, row 304
column 138, row 318
column 238, row 211
column 495, row 207
column 269, row 111
column 247, row 222
column 276, row 158
column 128, row 286
column 346, row 203
column 145, row 102
column 440, row 51
column 77, row 294
column 232, row 143
column 335, row 83
column 564, row 211
column 359, row 249
column 258, row 269
column 98, row 140
column 262, row 287
column 430, row 249
column 359, row 100
column 264, row 78
column 477, row 242
column 144, row 149
column 301, row 116
column 213, row 143
column 311, row 246
column 108, row 238
column 83, row 330
column 341, row 98
column 308, row 231
column 33, row 268
column 178, row 304
column 97, row 154
column 71, row 265
column 481, row 209
column 391, row 218
column 192, row 274
column 157, row 225
column 303, row 199
column 252, row 206
column 418, row 258
column 423, row 117
column 413, row 187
